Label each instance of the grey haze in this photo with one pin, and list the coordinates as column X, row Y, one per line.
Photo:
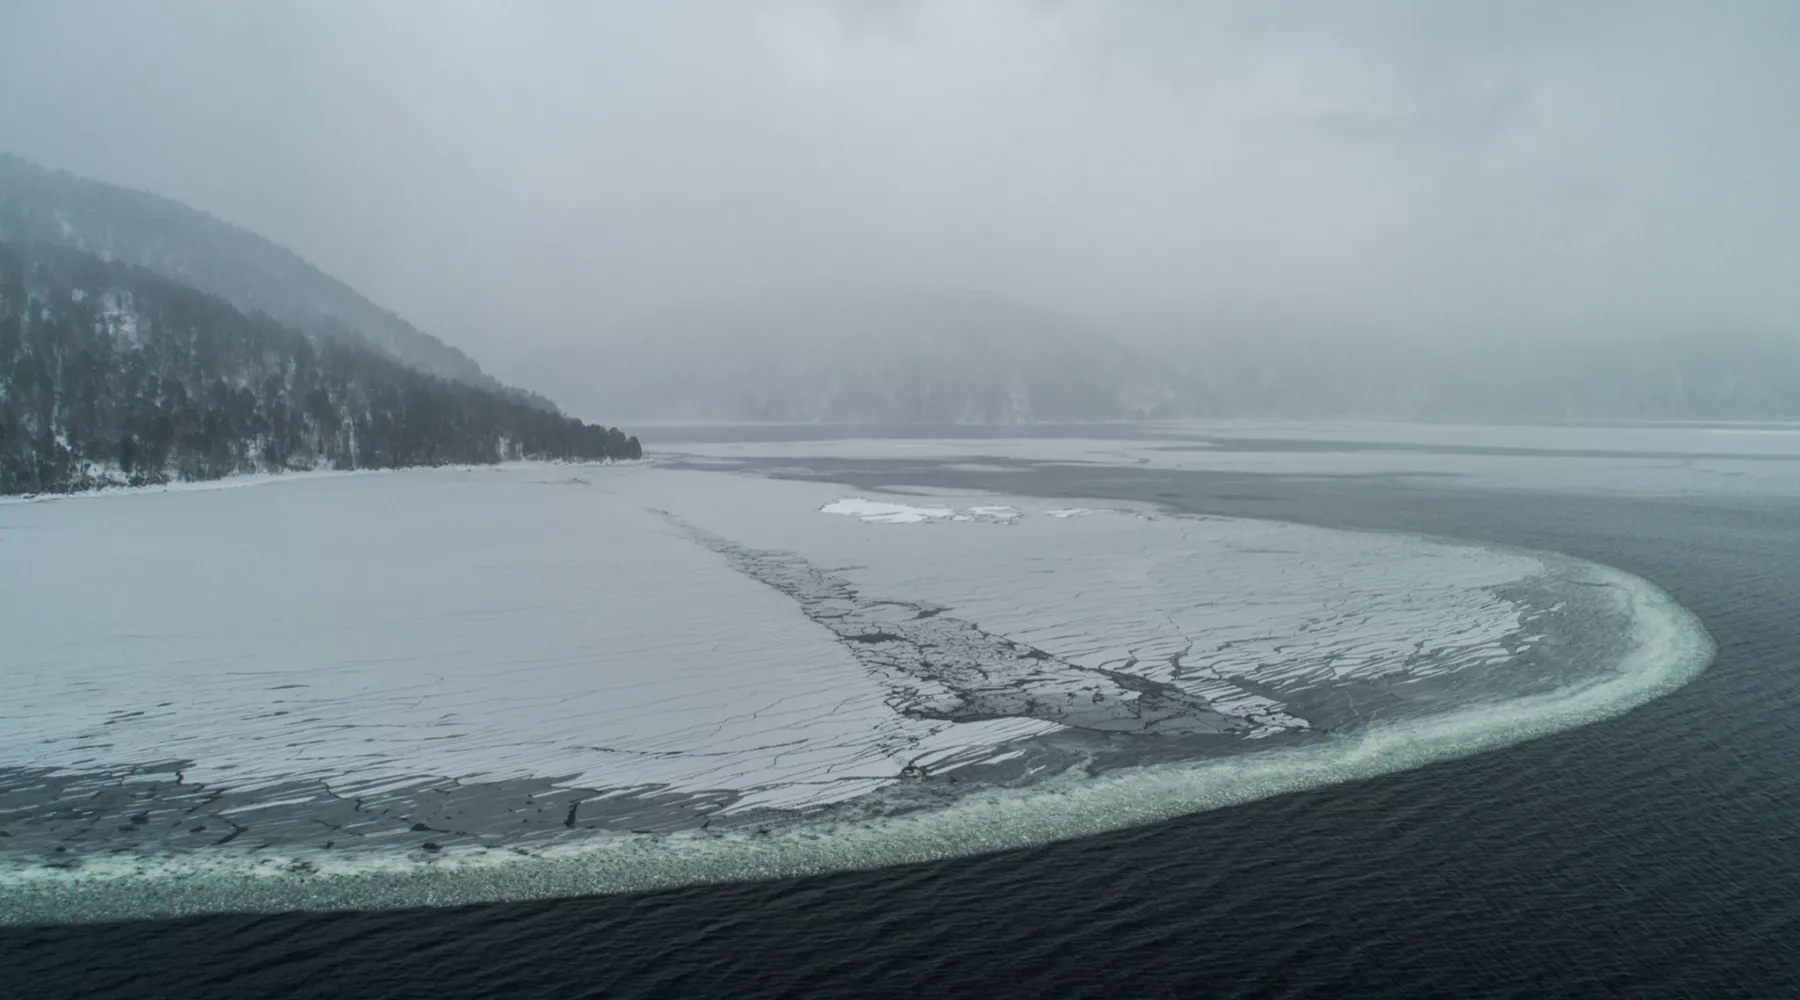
column 538, row 183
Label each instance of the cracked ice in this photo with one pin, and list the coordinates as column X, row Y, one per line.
column 502, row 655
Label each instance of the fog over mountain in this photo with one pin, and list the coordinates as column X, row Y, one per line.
column 1072, row 210
column 848, row 353
column 178, row 242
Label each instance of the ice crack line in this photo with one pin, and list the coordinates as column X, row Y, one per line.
column 939, row 667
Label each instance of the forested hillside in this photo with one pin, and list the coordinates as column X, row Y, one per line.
column 256, row 275
column 111, row 375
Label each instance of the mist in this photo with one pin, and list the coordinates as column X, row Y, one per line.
column 522, row 177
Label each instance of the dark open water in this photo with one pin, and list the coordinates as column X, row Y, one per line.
column 1656, row 855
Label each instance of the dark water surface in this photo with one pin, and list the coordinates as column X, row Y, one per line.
column 1655, row 855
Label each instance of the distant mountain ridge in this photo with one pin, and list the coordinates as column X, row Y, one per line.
column 1726, row 374
column 111, row 374
column 38, row 205
column 845, row 353
column 857, row 354
column 891, row 354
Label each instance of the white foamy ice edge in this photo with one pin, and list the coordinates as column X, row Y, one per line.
column 1669, row 648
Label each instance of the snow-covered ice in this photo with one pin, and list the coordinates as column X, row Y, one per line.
column 883, row 512
column 550, row 646
column 1608, row 461
column 890, row 513
column 384, row 629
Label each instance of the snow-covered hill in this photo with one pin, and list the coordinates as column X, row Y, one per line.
column 194, row 248
column 112, row 375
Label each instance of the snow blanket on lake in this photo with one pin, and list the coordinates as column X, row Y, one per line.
column 451, row 685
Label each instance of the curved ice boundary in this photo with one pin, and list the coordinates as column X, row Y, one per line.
column 1668, row 648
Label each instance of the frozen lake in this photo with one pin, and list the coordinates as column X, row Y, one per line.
column 1686, row 460
column 447, row 685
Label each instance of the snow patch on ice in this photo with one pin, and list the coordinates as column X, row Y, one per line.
column 876, row 512
column 883, row 512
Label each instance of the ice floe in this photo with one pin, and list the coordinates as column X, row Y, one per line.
column 452, row 685
column 883, row 512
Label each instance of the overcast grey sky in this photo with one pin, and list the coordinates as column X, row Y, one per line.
column 509, row 174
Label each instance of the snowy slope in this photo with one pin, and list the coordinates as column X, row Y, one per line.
column 111, row 375
column 194, row 248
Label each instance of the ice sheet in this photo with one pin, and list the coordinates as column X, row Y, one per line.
column 630, row 631
column 1666, row 649
column 472, row 624
column 1640, row 460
